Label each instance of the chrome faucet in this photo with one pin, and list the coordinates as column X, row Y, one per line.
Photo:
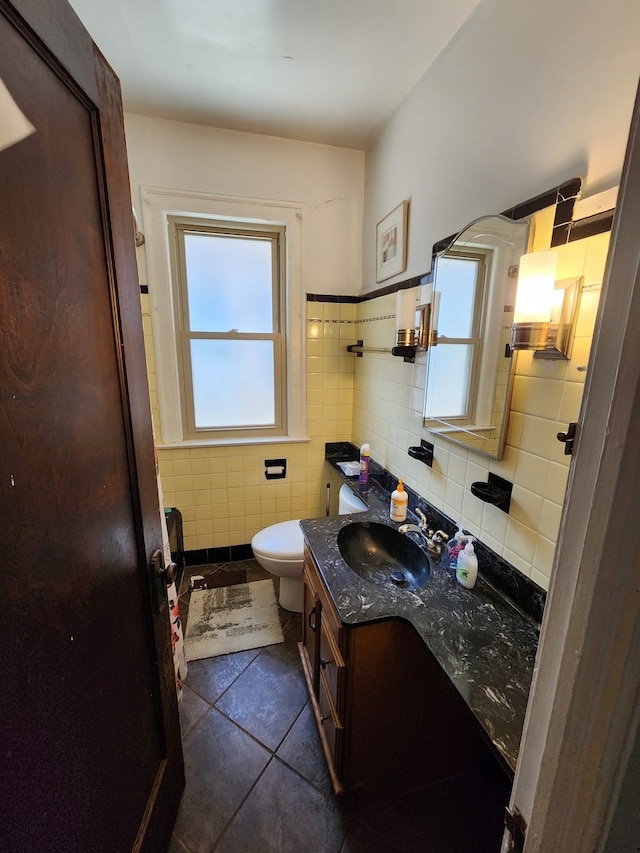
column 435, row 541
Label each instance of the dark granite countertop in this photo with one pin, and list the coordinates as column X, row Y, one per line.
column 483, row 643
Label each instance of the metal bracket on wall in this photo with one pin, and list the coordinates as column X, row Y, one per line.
column 423, row 452
column 568, row 438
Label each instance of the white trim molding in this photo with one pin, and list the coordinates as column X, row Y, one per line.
column 160, row 203
column 584, row 709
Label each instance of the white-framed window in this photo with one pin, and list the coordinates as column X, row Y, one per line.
column 454, row 361
column 225, row 286
column 230, row 303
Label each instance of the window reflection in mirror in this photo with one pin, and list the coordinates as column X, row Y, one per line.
column 468, row 368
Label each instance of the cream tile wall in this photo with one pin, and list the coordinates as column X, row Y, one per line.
column 225, row 499
column 388, row 397
column 222, row 492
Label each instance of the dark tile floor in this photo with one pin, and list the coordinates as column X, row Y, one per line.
column 256, row 779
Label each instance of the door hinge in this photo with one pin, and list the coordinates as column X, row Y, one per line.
column 517, row 829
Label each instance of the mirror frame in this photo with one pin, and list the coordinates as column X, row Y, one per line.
column 563, row 197
column 491, row 371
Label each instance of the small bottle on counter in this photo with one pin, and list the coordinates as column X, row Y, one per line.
column 467, row 568
column 454, row 546
column 399, row 501
column 365, row 462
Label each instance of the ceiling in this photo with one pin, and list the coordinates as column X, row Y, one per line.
column 329, row 71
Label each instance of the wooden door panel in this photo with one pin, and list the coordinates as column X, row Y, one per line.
column 88, row 711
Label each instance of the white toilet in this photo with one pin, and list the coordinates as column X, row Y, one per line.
column 280, row 549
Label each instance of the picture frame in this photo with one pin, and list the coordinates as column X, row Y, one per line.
column 391, row 242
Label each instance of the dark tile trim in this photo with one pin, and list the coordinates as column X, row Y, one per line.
column 599, row 223
column 393, row 288
column 227, row 554
column 381, row 291
column 564, row 196
column 560, row 234
column 241, row 552
column 196, row 558
column 330, row 297
column 564, row 212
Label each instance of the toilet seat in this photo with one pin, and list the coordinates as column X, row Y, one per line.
column 282, row 541
column 280, row 550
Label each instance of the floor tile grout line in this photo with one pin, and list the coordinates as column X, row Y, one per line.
column 182, row 842
column 243, row 730
column 242, row 671
column 286, row 734
column 244, row 799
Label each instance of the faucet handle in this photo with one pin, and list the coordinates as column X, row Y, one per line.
column 422, row 517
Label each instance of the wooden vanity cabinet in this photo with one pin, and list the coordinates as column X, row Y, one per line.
column 388, row 716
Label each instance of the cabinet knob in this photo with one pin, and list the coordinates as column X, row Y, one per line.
column 325, row 717
column 324, row 663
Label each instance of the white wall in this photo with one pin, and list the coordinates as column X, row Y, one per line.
column 328, row 181
column 221, row 491
column 526, row 96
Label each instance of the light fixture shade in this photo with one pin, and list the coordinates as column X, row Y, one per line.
column 536, row 282
column 406, row 317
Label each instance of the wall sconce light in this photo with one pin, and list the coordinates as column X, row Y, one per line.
column 545, row 309
column 412, row 325
column 405, row 318
column 534, row 297
column 405, row 325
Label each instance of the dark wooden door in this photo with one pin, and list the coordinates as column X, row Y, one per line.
column 90, row 748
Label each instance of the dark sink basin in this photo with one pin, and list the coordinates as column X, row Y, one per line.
column 381, row 555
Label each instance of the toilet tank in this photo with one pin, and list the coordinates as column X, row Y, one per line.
column 348, row 502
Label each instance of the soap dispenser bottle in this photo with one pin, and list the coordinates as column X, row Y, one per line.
column 399, row 501
column 454, row 546
column 365, row 463
column 467, row 568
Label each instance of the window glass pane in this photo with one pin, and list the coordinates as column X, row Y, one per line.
column 229, row 283
column 448, row 385
column 457, row 286
column 233, row 383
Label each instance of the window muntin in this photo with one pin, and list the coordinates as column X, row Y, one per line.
column 229, row 311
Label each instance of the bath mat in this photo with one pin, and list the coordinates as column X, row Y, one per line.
column 232, row 619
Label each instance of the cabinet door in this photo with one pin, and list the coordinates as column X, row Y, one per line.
column 331, row 665
column 311, row 628
column 331, row 729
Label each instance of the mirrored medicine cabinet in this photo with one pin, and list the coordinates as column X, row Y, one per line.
column 469, row 364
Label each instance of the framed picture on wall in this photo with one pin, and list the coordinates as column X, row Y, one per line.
column 391, row 243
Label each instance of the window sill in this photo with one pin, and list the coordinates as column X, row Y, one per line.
column 234, row 442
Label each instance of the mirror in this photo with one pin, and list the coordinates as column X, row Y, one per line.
column 469, row 366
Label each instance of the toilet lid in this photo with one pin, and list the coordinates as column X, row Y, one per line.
column 283, row 541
